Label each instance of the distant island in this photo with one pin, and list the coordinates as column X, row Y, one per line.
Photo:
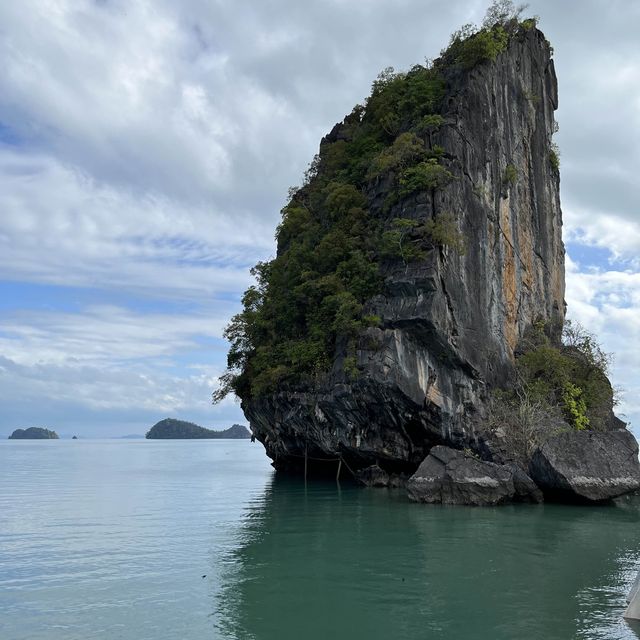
column 169, row 429
column 132, row 436
column 33, row 433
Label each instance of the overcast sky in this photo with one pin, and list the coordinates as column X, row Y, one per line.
column 146, row 149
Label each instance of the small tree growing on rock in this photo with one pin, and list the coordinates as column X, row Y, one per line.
column 503, row 12
column 523, row 421
column 400, row 241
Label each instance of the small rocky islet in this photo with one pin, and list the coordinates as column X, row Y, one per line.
column 34, row 433
column 411, row 328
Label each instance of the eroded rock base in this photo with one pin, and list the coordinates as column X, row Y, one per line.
column 587, row 466
column 448, row 476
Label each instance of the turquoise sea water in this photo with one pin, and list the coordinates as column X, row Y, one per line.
column 110, row 539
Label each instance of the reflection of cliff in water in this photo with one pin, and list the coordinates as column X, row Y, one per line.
column 324, row 563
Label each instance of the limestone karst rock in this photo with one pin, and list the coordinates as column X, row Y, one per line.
column 419, row 263
column 450, row 322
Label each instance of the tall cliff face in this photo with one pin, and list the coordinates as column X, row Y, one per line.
column 451, row 321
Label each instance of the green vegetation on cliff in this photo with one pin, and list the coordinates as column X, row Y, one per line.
column 559, row 387
column 169, row 429
column 572, row 376
column 33, row 433
column 336, row 239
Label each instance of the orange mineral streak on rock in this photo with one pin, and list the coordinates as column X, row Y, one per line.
column 528, row 264
column 509, row 280
column 435, row 396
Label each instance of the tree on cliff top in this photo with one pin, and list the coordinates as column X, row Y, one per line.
column 503, row 12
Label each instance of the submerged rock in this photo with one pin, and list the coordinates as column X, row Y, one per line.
column 448, row 476
column 373, row 476
column 587, row 465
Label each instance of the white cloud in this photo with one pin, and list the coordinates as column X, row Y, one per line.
column 108, row 359
column 616, row 233
column 104, row 389
column 59, row 226
column 608, row 304
column 598, row 69
column 103, row 334
column 94, row 400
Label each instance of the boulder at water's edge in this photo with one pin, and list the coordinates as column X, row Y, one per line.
column 448, row 476
column 587, row 465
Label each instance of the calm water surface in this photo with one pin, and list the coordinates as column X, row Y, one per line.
column 110, row 539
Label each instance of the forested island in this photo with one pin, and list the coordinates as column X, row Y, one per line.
column 34, row 433
column 172, row 429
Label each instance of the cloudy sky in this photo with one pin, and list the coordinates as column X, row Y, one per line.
column 146, row 149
